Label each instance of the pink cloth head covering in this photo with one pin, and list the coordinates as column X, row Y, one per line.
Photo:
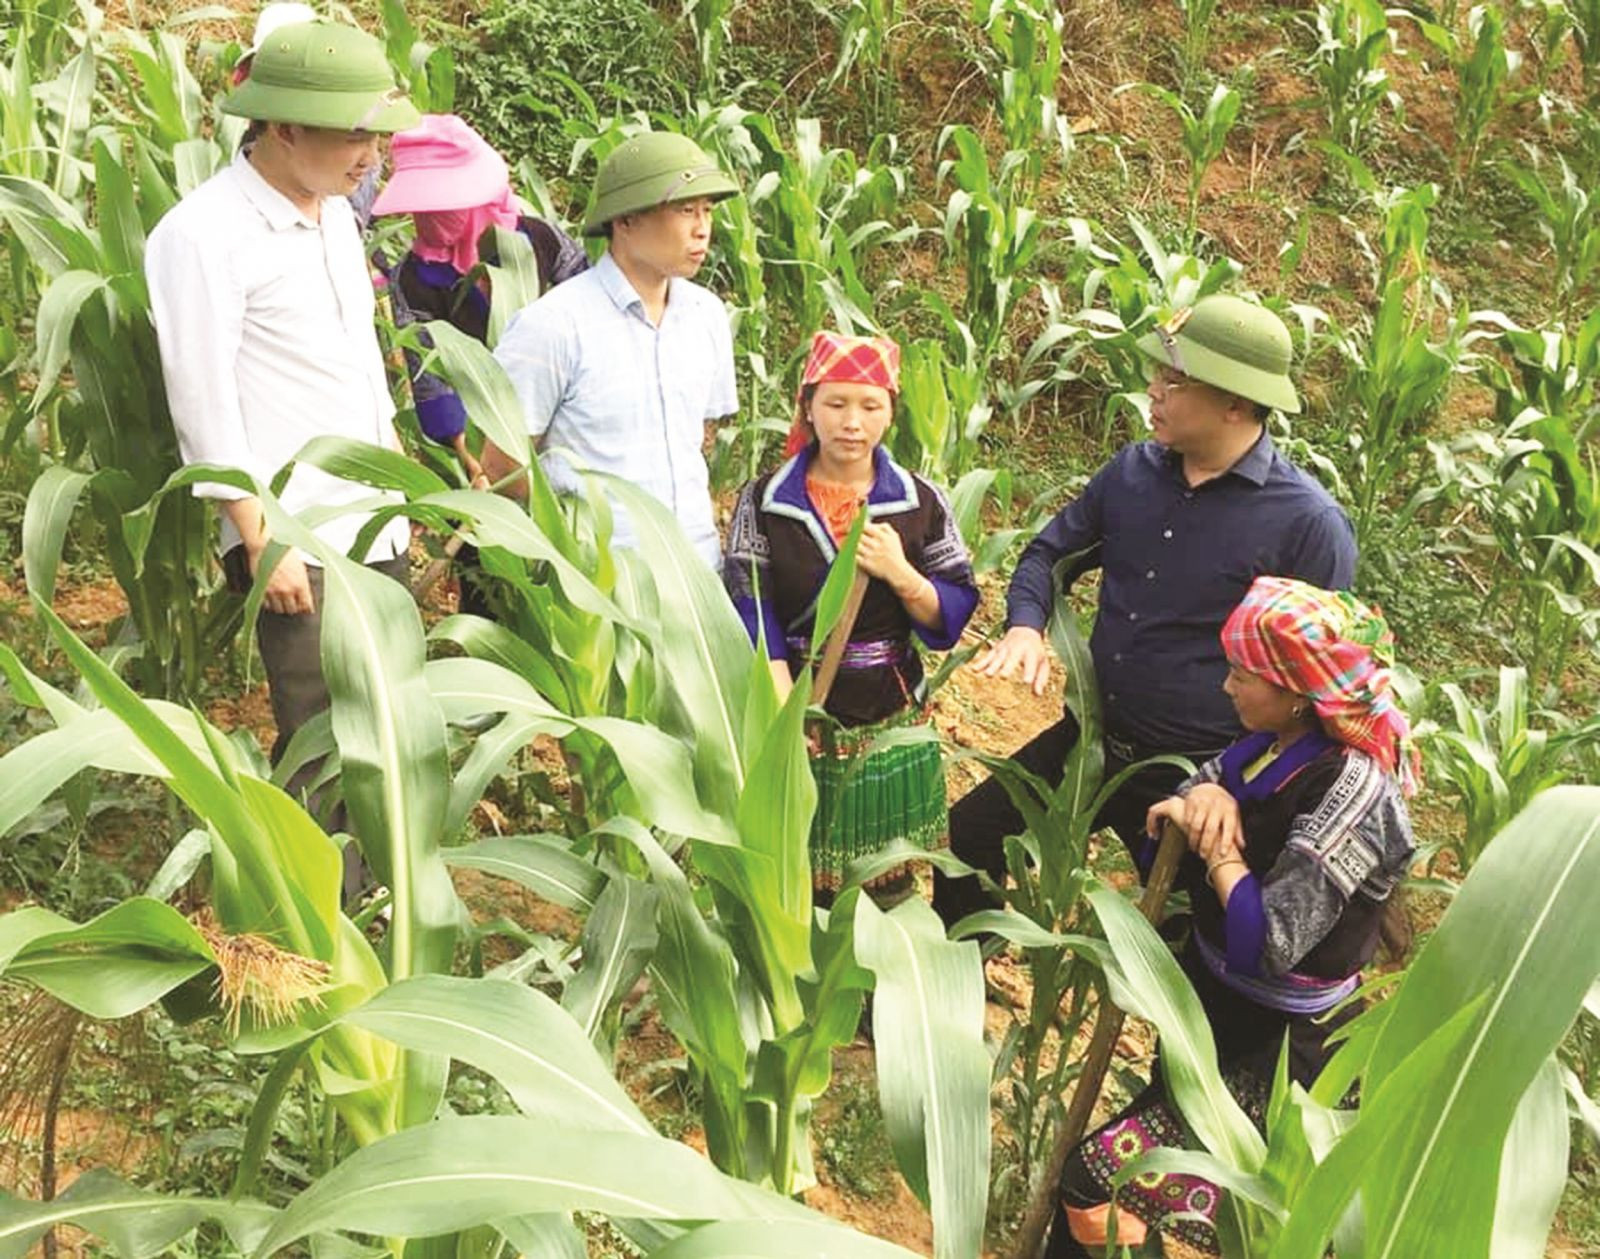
column 453, row 183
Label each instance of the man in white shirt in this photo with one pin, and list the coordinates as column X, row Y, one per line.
column 623, row 366
column 263, row 307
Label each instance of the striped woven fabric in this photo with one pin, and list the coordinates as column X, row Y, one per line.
column 867, row 800
column 1330, row 647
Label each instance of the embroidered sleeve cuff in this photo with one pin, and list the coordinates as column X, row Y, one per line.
column 957, row 602
column 442, row 417
column 1246, row 926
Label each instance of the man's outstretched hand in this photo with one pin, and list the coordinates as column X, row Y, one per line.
column 1021, row 648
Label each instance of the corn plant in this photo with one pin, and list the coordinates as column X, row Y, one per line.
column 943, row 412
column 1205, row 136
column 1485, row 67
column 1586, row 34
column 1352, row 38
column 709, row 21
column 991, row 227
column 1197, row 17
column 1124, row 293
column 1396, row 371
column 1550, row 25
column 1535, row 487
column 428, row 71
column 1552, row 369
column 820, row 213
column 868, row 35
column 1495, row 760
column 741, row 790
column 1024, row 78
column 1048, row 865
column 46, row 120
column 116, row 441
column 1569, row 220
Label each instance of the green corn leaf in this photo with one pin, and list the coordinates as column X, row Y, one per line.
column 514, row 1033
column 58, row 316
column 372, row 465
column 74, row 93
column 695, row 978
column 1414, row 1088
column 836, row 588
column 52, row 230
column 1145, row 981
column 1166, row 1161
column 486, row 391
column 287, row 906
column 113, row 965
column 180, row 865
column 933, row 1070
column 702, row 644
column 121, row 232
column 451, row 1175
column 1506, row 941
column 544, row 864
column 514, row 280
column 495, row 521
column 1533, row 1169
column 51, row 502
column 795, row 1240
column 618, row 939
column 136, row 1223
column 549, row 1236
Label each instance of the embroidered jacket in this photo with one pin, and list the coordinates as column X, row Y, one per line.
column 777, row 558
column 1325, row 850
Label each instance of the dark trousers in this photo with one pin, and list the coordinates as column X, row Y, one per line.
column 291, row 656
column 982, row 819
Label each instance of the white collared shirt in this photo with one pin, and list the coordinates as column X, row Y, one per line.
column 265, row 322
column 623, row 395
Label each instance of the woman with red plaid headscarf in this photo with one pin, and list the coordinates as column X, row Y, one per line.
column 1298, row 836
column 785, row 533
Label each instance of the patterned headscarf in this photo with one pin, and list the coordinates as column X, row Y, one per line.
column 844, row 360
column 1330, row 647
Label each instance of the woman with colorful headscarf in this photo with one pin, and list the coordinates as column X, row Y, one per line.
column 786, row 530
column 1298, row 836
column 456, row 188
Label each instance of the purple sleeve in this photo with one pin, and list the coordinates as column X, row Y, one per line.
column 762, row 617
column 957, row 602
column 442, row 417
column 1246, row 922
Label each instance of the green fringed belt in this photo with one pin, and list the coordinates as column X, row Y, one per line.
column 867, row 800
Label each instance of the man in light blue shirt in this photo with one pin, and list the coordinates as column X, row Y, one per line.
column 621, row 367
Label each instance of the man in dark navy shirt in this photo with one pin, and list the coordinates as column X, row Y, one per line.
column 1179, row 527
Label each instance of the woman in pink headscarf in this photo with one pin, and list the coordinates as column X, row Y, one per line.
column 456, row 188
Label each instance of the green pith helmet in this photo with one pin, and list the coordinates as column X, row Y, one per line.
column 653, row 169
column 323, row 74
column 1232, row 344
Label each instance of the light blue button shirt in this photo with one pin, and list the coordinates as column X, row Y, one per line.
column 597, row 379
